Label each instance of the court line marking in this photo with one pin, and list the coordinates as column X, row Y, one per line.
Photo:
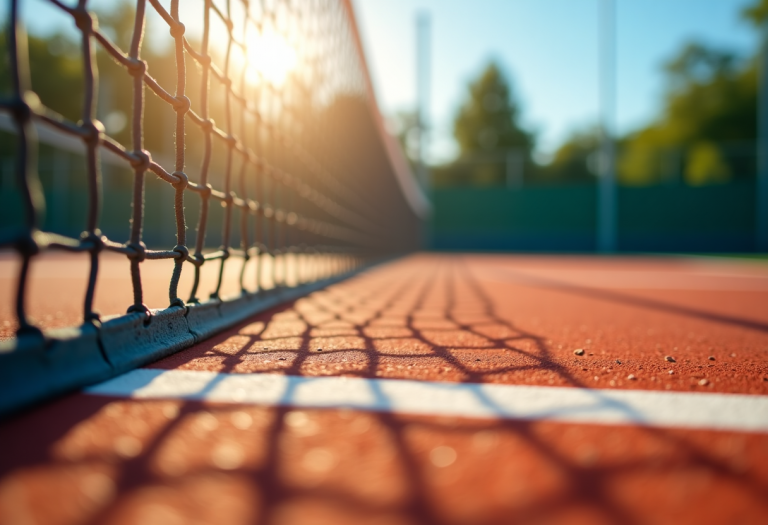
column 574, row 405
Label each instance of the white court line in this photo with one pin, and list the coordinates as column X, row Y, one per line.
column 574, row 405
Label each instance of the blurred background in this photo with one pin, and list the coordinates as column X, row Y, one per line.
column 577, row 125
column 533, row 125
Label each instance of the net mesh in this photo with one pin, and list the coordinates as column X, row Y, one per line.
column 273, row 120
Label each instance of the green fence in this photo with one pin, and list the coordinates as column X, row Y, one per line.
column 675, row 218
column 63, row 178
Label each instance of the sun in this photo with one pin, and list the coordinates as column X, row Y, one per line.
column 271, row 57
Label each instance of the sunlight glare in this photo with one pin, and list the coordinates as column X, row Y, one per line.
column 271, row 58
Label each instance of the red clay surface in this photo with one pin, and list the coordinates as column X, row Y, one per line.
column 503, row 319
column 98, row 460
column 58, row 282
column 516, row 321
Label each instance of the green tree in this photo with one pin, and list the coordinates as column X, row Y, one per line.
column 575, row 161
column 55, row 69
column 406, row 129
column 487, row 126
column 118, row 21
column 757, row 13
column 710, row 105
column 704, row 131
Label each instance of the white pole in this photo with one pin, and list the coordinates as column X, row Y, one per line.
column 515, row 167
column 422, row 93
column 606, row 202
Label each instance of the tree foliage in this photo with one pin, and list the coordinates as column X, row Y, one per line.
column 488, row 119
column 55, row 70
column 710, row 107
column 575, row 161
column 704, row 132
column 486, row 128
column 757, row 13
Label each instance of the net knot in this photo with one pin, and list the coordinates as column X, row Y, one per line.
column 178, row 302
column 204, row 60
column 139, row 251
column 93, row 132
column 181, row 104
column 85, row 21
column 141, row 161
column 206, row 191
column 225, row 253
column 95, row 239
column 27, row 330
column 22, row 108
column 231, row 141
column 27, row 246
column 181, row 250
column 140, row 309
column 136, row 67
column 177, row 30
column 183, row 181
column 229, row 198
column 207, row 125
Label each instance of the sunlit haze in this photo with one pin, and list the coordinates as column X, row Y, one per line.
column 270, row 56
column 549, row 48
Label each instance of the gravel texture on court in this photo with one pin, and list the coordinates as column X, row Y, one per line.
column 445, row 318
column 518, row 321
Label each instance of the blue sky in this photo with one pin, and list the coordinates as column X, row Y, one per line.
column 548, row 47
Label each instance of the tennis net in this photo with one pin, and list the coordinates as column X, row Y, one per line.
column 274, row 120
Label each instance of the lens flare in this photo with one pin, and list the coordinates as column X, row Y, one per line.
column 271, row 58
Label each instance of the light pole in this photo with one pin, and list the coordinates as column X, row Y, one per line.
column 606, row 201
column 422, row 94
column 761, row 186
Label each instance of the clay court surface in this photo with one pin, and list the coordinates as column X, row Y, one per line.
column 134, row 452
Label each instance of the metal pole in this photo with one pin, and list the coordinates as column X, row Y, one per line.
column 515, row 167
column 422, row 93
column 761, row 189
column 606, row 202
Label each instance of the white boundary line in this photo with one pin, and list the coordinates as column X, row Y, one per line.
column 573, row 405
